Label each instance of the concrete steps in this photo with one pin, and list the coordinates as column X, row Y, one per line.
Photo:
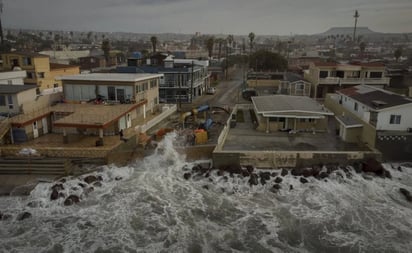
column 35, row 165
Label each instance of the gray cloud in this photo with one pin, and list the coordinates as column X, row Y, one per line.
column 207, row 16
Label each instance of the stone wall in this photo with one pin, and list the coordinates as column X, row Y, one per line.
column 289, row 159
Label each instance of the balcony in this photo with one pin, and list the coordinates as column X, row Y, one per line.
column 354, row 81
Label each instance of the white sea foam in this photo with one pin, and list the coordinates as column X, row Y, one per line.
column 149, row 206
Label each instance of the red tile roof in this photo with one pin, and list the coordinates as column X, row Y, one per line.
column 61, row 66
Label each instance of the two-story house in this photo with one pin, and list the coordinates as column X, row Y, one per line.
column 39, row 69
column 375, row 117
column 328, row 77
column 92, row 104
column 184, row 79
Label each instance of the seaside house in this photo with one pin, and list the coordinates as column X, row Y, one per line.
column 182, row 79
column 38, row 67
column 374, row 117
column 328, row 77
column 286, row 83
column 290, row 113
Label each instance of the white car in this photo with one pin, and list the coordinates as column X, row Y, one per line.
column 211, row 91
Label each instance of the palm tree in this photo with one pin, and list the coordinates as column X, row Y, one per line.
column 153, row 40
column 398, row 53
column 210, row 42
column 106, row 50
column 251, row 39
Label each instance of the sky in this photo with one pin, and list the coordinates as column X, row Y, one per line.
column 238, row 17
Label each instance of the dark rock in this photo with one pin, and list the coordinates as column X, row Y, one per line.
column 290, row 187
column 303, row 180
column 316, row 170
column 225, row 178
column 265, row 175
column 99, row 178
column 62, row 195
column 97, row 184
column 63, row 180
column 297, row 172
column 406, row 193
column 245, row 173
column 72, row 199
column 323, row 175
column 4, row 216
column 284, row 172
column 253, row 180
column 187, row 175
column 118, row 178
column 371, row 165
column 387, row 174
column 57, row 187
column 207, row 175
column 250, row 169
column 220, row 173
column 54, row 195
column 400, row 168
column 206, row 187
column 82, row 185
column 367, row 176
column 23, row 216
column 274, row 174
column 234, row 169
column 262, row 181
column 277, row 186
column 90, row 179
column 357, row 167
column 278, row 180
column 308, row 172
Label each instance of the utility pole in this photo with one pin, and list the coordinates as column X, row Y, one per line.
column 356, row 16
column 191, row 84
column 1, row 27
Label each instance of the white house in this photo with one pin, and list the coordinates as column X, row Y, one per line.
column 12, row 77
column 382, row 109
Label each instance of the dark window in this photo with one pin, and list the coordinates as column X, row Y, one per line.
column 323, row 74
column 111, row 93
column 395, row 120
column 2, row 100
column 40, row 74
column 375, row 75
column 30, row 75
column 356, row 107
column 27, row 61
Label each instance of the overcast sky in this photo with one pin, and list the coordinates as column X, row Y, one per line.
column 269, row 17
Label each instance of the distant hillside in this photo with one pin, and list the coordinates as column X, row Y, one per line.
column 348, row 31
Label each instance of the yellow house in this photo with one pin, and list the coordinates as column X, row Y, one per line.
column 39, row 69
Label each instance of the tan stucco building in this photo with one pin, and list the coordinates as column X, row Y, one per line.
column 39, row 69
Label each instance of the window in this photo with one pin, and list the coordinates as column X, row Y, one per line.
column 356, row 107
column 375, row 75
column 153, row 84
column 323, row 74
column 10, row 101
column 2, row 100
column 111, row 93
column 55, row 85
column 27, row 61
column 395, row 120
column 40, row 74
column 30, row 75
column 9, row 82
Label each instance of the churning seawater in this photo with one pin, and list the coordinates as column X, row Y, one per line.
column 149, row 207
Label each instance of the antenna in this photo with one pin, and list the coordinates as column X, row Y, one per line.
column 1, row 27
column 356, row 16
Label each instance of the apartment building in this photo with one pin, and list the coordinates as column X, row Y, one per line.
column 39, row 70
column 328, row 77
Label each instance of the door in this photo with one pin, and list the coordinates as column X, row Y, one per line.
column 128, row 121
column 35, row 130
column 45, row 126
column 120, row 95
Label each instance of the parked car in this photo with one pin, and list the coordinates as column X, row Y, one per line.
column 249, row 93
column 211, row 91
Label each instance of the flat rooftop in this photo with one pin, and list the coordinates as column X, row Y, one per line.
column 114, row 77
